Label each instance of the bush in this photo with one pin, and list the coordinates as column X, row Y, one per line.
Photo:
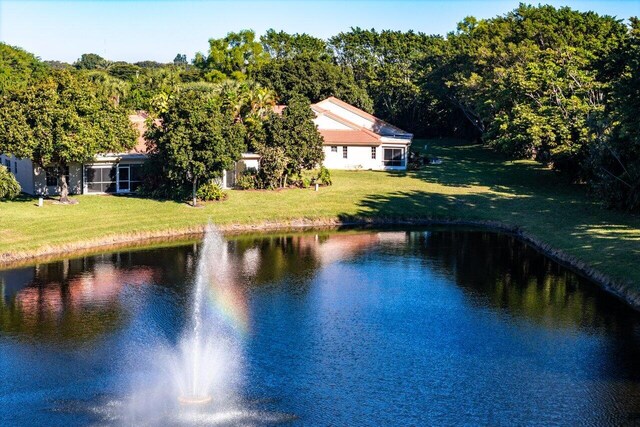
column 305, row 182
column 247, row 181
column 9, row 187
column 324, row 176
column 210, row 191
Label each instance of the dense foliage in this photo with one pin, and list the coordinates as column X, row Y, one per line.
column 615, row 157
column 9, row 187
column 17, row 67
column 195, row 140
column 62, row 119
column 292, row 144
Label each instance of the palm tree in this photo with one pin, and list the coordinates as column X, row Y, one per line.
column 111, row 87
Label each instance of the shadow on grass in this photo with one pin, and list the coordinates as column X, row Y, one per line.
column 466, row 165
column 518, row 194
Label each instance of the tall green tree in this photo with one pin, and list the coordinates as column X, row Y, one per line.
column 614, row 161
column 296, row 136
column 281, row 45
column 91, row 61
column 17, row 67
column 313, row 78
column 61, row 119
column 390, row 66
column 234, row 56
column 196, row 139
column 531, row 81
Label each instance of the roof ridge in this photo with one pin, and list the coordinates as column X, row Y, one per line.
column 346, row 122
column 360, row 112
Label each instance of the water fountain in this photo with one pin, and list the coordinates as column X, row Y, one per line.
column 195, row 380
column 200, row 374
column 207, row 360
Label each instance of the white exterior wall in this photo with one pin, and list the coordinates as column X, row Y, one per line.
column 348, row 115
column 359, row 157
column 324, row 122
column 22, row 169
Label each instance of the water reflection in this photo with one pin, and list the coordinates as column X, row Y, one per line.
column 78, row 299
column 500, row 271
column 480, row 329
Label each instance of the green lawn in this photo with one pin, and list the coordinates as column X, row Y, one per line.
column 472, row 183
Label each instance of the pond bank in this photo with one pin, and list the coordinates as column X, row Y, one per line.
column 623, row 290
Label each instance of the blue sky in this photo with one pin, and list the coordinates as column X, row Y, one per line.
column 157, row 30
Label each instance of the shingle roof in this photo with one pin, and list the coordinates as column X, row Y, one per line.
column 378, row 122
column 350, row 137
column 356, row 135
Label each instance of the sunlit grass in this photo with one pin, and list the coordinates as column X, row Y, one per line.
column 473, row 183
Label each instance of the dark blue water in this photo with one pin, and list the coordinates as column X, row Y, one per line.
column 431, row 327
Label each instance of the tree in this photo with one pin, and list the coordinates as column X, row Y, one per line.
column 180, row 60
column 531, row 81
column 313, row 78
column 91, row 61
column 391, row 66
column 234, row 56
column 17, row 67
column 113, row 88
column 62, row 119
column 196, row 139
column 9, row 187
column 58, row 65
column 614, row 161
column 124, row 71
column 281, row 45
column 295, row 133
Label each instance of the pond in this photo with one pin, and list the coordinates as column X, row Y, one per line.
column 357, row 327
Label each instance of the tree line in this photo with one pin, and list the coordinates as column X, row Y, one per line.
column 552, row 84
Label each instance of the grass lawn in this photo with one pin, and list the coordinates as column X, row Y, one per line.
column 473, row 183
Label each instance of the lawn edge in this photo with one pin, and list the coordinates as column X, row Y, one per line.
column 623, row 290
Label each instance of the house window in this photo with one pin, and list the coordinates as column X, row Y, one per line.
column 373, row 153
column 136, row 176
column 51, row 175
column 393, row 157
column 101, row 179
column 7, row 163
column 334, row 148
column 15, row 167
column 344, row 152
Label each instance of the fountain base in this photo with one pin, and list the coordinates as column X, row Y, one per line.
column 194, row 400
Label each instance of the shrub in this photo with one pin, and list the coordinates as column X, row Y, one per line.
column 324, row 176
column 247, row 181
column 210, row 191
column 305, row 182
column 9, row 187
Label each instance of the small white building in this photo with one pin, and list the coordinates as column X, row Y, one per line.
column 354, row 139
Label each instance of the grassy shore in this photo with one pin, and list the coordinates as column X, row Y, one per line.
column 473, row 183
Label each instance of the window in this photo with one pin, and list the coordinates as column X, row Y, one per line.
column 393, row 157
column 15, row 167
column 101, row 179
column 7, row 163
column 373, row 153
column 334, row 148
column 135, row 177
column 344, row 152
column 51, row 175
